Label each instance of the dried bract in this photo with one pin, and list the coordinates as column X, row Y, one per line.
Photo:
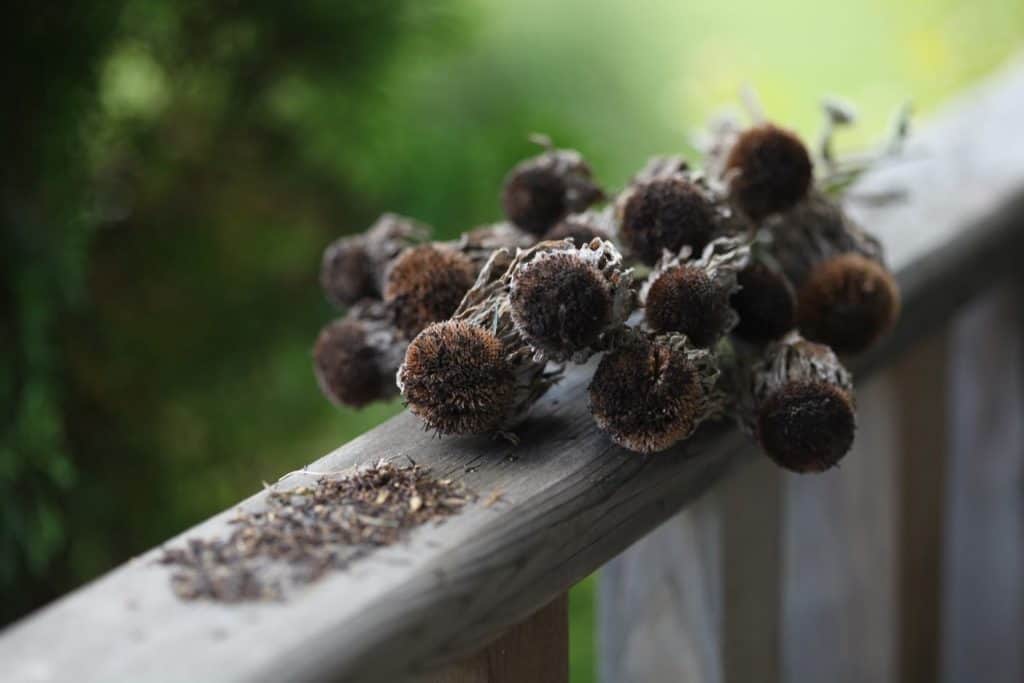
column 768, row 170
column 802, row 408
column 355, row 357
column 565, row 299
column 692, row 297
column 653, row 391
column 425, row 284
column 848, row 302
column 765, row 304
column 541, row 191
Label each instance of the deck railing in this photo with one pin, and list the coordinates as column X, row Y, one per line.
column 907, row 563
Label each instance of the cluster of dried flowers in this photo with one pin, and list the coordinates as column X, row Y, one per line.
column 725, row 291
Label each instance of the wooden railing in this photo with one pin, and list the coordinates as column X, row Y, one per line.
column 907, row 563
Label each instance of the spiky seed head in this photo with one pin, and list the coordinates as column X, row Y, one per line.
column 561, row 301
column 647, row 396
column 769, row 170
column 346, row 272
column 578, row 228
column 665, row 213
column 345, row 365
column 807, row 426
column 456, row 378
column 425, row 284
column 765, row 304
column 541, row 191
column 685, row 299
column 847, row 302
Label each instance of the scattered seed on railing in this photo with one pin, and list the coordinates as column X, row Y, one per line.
column 306, row 531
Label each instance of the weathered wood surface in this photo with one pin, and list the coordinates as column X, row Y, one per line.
column 570, row 502
column 536, row 650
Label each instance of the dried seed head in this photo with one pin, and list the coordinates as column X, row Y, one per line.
column 692, row 297
column 666, row 213
column 805, row 417
column 352, row 267
column 847, row 302
column 653, row 392
column 582, row 229
column 765, row 304
column 769, row 170
column 349, row 363
column 541, row 191
column 346, row 273
column 564, row 298
column 457, row 379
column 425, row 284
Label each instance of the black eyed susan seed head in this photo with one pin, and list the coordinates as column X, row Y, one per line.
column 803, row 412
column 456, row 378
column 541, row 191
column 346, row 273
column 847, row 302
column 807, row 426
column 769, row 170
column 345, row 364
column 425, row 284
column 563, row 299
column 666, row 213
column 765, row 304
column 652, row 393
column 692, row 297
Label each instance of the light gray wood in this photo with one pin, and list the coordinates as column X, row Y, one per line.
column 922, row 389
column 571, row 500
column 983, row 634
column 839, row 595
column 536, row 650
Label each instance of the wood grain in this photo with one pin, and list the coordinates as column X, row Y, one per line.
column 571, row 500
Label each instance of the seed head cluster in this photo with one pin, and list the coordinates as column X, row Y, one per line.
column 717, row 290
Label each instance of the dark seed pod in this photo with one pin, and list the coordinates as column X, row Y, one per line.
column 665, row 212
column 768, row 170
column 582, row 228
column 475, row 373
column 848, row 302
column 353, row 266
column 355, row 357
column 693, row 297
column 541, row 191
column 765, row 303
column 457, row 379
column 816, row 230
column 425, row 284
column 652, row 392
column 803, row 408
column 564, row 299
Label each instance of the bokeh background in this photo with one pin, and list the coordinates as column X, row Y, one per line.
column 171, row 171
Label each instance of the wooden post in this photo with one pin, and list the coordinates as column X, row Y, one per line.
column 536, row 650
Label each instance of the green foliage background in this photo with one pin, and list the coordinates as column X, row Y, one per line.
column 174, row 168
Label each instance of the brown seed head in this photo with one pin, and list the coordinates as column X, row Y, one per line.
column 561, row 301
column 346, row 272
column 765, row 303
column 666, row 213
column 647, row 396
column 456, row 378
column 684, row 299
column 807, row 426
column 541, row 191
column 426, row 284
column 579, row 228
column 847, row 302
column 346, row 365
column 770, row 170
